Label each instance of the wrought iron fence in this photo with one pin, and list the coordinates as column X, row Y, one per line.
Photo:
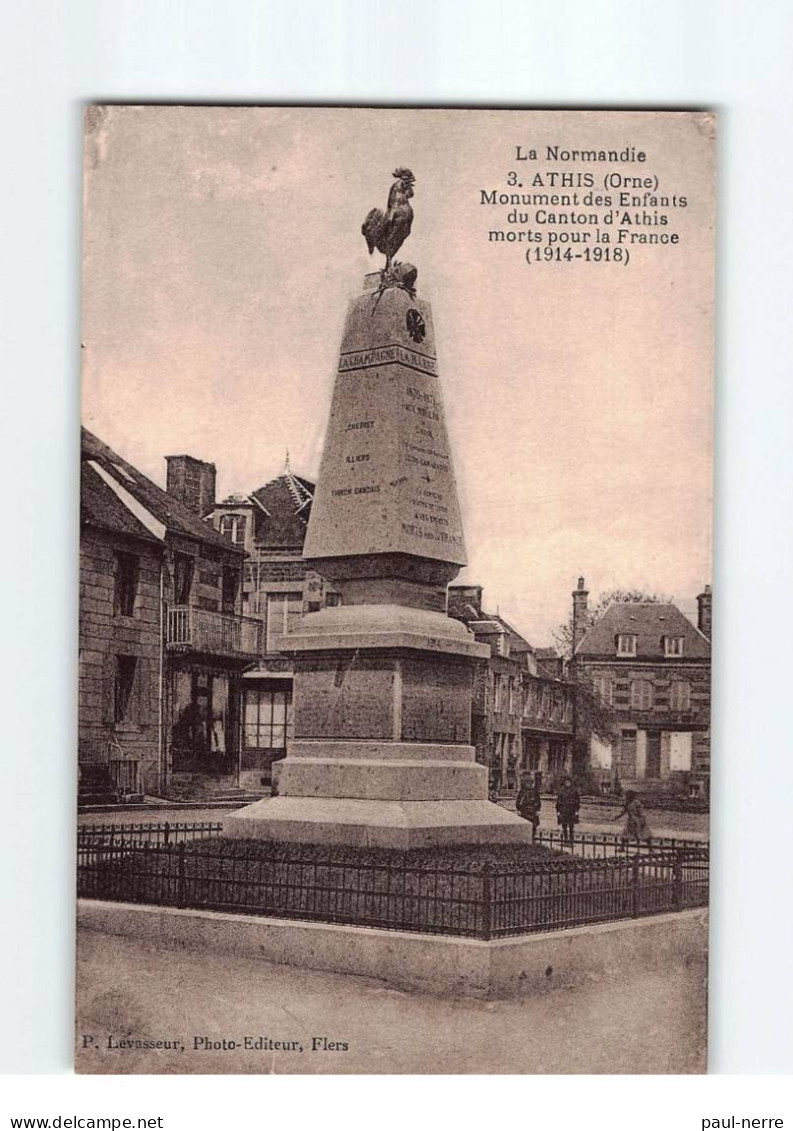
column 481, row 897
column 123, row 835
column 594, row 846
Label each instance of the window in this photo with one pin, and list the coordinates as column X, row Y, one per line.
column 673, row 645
column 497, row 693
column 511, row 683
column 641, row 694
column 626, row 645
column 125, row 679
column 604, row 690
column 265, row 719
column 680, row 695
column 127, row 571
column 529, row 699
column 232, row 526
column 182, row 578
column 284, row 611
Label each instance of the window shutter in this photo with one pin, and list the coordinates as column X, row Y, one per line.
column 109, row 688
column 142, row 677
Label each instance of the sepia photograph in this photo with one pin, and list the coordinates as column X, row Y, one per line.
column 395, row 625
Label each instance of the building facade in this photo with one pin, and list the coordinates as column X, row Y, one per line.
column 651, row 668
column 522, row 712
column 185, row 602
column 163, row 639
column 278, row 588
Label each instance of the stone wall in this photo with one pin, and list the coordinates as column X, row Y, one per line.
column 610, row 954
column 104, row 634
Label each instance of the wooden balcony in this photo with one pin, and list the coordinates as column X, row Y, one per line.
column 189, row 629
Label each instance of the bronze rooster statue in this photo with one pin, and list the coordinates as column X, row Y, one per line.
column 388, row 230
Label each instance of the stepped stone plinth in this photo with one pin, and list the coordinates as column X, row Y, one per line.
column 381, row 753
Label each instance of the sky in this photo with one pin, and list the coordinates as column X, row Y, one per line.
column 222, row 246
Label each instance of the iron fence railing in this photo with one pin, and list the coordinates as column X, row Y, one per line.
column 484, row 897
column 133, row 835
column 600, row 845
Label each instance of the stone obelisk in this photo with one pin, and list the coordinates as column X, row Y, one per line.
column 381, row 752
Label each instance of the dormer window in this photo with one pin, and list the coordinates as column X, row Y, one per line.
column 626, row 644
column 232, row 526
column 673, row 645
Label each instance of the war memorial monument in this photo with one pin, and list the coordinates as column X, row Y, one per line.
column 381, row 754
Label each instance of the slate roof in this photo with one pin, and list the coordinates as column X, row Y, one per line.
column 100, row 506
column 486, row 623
column 282, row 511
column 650, row 622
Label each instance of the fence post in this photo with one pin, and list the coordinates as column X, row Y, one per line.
column 486, row 891
column 635, row 887
column 677, row 880
column 167, row 833
column 180, row 893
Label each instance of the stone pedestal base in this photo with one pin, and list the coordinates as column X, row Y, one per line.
column 381, row 755
column 377, row 823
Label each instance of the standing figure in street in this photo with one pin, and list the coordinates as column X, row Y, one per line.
column 528, row 803
column 568, row 802
column 494, row 783
column 636, row 827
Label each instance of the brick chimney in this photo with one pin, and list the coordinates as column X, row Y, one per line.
column 704, row 612
column 580, row 614
column 192, row 482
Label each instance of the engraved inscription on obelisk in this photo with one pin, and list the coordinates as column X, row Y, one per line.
column 386, row 482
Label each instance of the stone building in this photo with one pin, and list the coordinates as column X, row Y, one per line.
column 185, row 602
column 522, row 713
column 651, row 667
column 163, row 641
column 278, row 588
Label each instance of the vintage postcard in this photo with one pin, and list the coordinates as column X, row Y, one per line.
column 395, row 582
